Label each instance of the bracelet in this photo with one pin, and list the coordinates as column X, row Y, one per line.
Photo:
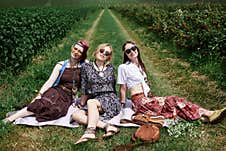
column 123, row 104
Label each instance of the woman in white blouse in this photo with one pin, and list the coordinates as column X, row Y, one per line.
column 132, row 76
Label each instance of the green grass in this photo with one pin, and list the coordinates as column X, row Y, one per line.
column 17, row 91
column 176, row 72
column 170, row 75
column 167, row 78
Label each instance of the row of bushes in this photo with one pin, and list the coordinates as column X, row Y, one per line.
column 25, row 31
column 198, row 28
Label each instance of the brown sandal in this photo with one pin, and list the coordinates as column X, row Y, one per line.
column 111, row 132
column 87, row 135
column 217, row 116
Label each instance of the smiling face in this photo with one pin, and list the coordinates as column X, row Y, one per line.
column 76, row 52
column 131, row 51
column 103, row 53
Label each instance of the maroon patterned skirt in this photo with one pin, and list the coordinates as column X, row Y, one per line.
column 169, row 107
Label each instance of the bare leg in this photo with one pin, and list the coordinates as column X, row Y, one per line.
column 93, row 112
column 205, row 112
column 94, row 107
column 21, row 113
column 81, row 117
column 92, row 120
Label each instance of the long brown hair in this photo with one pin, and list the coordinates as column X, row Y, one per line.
column 125, row 58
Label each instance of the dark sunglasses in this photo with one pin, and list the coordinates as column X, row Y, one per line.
column 106, row 53
column 128, row 51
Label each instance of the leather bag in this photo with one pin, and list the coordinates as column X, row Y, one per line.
column 141, row 119
column 148, row 132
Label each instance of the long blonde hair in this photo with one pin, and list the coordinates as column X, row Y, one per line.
column 101, row 46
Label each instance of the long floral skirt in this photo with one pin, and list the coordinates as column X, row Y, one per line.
column 169, row 107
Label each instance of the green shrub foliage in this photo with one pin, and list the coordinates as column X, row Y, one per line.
column 198, row 28
column 25, row 31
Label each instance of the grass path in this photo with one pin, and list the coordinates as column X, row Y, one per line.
column 101, row 27
column 155, row 74
column 89, row 33
column 173, row 76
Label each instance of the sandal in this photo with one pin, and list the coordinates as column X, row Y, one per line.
column 217, row 116
column 87, row 136
column 110, row 131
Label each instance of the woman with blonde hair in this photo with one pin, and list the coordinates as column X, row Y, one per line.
column 99, row 93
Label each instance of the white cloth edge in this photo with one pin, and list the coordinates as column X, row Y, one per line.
column 64, row 121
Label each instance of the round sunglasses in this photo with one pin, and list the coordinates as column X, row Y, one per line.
column 106, row 53
column 128, row 51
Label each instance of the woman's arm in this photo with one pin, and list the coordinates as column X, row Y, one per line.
column 121, row 79
column 84, row 85
column 51, row 80
column 83, row 100
column 123, row 93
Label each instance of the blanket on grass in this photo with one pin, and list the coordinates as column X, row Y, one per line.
column 66, row 121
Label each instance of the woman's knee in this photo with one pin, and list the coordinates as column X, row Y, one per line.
column 93, row 102
column 77, row 114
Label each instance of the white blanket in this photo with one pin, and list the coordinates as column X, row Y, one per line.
column 125, row 113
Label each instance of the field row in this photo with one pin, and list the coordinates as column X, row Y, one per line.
column 195, row 32
column 25, row 31
column 198, row 28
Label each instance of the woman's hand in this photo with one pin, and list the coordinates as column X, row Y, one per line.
column 150, row 94
column 123, row 104
column 83, row 100
column 39, row 96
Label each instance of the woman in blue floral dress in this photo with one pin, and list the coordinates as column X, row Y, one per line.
column 98, row 91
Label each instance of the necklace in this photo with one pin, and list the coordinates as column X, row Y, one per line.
column 100, row 72
column 74, row 89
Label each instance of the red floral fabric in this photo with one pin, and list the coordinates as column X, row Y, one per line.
column 169, row 107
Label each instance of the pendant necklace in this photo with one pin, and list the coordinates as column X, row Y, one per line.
column 100, row 72
column 74, row 87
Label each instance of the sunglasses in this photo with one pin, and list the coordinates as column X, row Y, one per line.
column 106, row 53
column 78, row 50
column 128, row 51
